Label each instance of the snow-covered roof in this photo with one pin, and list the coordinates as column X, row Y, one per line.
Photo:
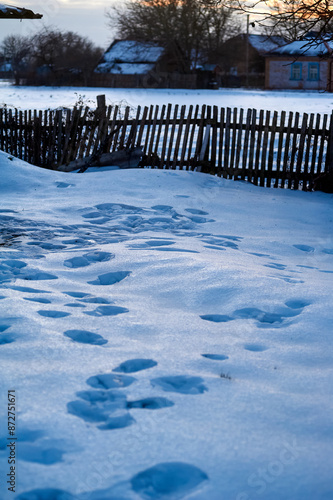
column 309, row 47
column 264, row 44
column 11, row 12
column 130, row 57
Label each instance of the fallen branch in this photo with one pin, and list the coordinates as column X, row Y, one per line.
column 125, row 158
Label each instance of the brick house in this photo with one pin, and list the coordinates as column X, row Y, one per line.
column 303, row 64
column 242, row 59
column 132, row 63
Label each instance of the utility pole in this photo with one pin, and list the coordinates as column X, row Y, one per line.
column 247, row 50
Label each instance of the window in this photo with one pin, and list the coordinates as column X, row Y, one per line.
column 296, row 71
column 313, row 72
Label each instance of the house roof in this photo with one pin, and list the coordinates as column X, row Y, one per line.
column 130, row 57
column 264, row 44
column 310, row 46
column 11, row 12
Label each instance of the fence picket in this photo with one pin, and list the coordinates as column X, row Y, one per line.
column 182, row 164
column 279, row 151
column 271, row 149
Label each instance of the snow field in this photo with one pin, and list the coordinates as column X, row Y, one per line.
column 168, row 335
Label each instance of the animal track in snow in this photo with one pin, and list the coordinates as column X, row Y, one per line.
column 85, row 337
column 183, row 384
column 135, row 365
column 173, row 480
column 110, row 278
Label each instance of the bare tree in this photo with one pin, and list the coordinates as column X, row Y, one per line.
column 17, row 49
column 292, row 19
column 195, row 26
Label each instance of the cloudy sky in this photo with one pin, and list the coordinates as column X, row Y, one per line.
column 86, row 17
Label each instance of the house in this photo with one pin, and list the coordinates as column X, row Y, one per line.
column 6, row 70
column 242, row 59
column 132, row 63
column 303, row 64
column 10, row 12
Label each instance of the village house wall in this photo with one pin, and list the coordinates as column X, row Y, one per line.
column 280, row 74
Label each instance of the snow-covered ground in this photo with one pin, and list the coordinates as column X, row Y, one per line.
column 53, row 97
column 168, row 335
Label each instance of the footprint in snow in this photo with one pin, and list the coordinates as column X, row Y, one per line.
column 53, row 314
column 63, row 185
column 135, row 365
column 102, row 407
column 154, row 403
column 304, row 248
column 265, row 319
column 7, row 338
column 195, row 211
column 46, row 494
column 297, row 303
column 39, row 300
column 85, row 337
column 173, row 480
column 110, row 381
column 255, row 347
column 217, row 318
column 41, row 455
column 26, row 289
column 77, row 295
column 183, row 384
column 87, row 259
column 215, row 357
column 110, row 278
column 107, row 311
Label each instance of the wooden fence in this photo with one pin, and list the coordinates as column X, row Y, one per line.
column 263, row 147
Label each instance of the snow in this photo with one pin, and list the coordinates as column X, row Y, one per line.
column 307, row 47
column 133, row 51
column 168, row 334
column 53, row 97
column 264, row 44
column 130, row 57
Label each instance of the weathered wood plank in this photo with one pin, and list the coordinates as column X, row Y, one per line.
column 271, row 149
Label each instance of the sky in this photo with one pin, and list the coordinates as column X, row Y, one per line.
column 82, row 16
